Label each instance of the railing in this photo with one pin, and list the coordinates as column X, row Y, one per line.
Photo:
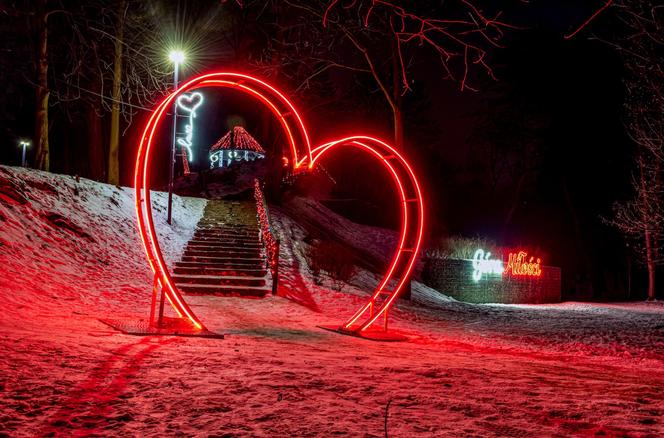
column 270, row 242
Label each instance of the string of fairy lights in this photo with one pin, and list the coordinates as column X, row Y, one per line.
column 267, row 237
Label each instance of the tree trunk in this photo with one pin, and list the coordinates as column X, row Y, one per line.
column 114, row 144
column 516, row 200
column 654, row 241
column 398, row 128
column 67, row 145
column 578, row 235
column 393, row 96
column 650, row 263
column 95, row 144
column 42, row 159
column 648, row 237
column 396, row 96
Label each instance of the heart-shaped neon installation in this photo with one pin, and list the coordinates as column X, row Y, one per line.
column 303, row 157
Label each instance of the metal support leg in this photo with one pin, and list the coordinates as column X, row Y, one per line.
column 160, row 321
column 153, row 303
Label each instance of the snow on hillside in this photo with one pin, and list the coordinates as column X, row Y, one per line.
column 70, row 254
column 379, row 243
column 564, row 328
column 68, row 243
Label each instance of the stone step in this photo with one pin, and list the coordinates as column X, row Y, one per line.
column 228, row 291
column 231, row 260
column 205, row 227
column 225, row 255
column 205, row 269
column 218, row 231
column 222, row 265
column 226, row 248
column 226, row 237
column 228, row 243
column 255, row 249
column 219, row 280
column 226, row 229
column 222, row 226
column 223, row 244
column 237, row 251
column 244, row 253
column 221, row 234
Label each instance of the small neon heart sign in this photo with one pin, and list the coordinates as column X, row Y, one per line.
column 189, row 102
column 303, row 157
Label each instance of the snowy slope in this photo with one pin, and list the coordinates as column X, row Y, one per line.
column 69, row 255
column 73, row 245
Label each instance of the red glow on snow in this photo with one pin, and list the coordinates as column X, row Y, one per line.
column 408, row 189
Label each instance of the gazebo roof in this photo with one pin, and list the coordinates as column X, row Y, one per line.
column 239, row 139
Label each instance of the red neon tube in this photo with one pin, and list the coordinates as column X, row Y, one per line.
column 300, row 148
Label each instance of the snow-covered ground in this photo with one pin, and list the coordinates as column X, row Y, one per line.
column 69, row 255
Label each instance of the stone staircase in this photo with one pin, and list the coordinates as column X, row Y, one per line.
column 225, row 256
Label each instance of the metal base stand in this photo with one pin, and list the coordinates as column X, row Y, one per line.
column 372, row 335
column 164, row 325
column 170, row 327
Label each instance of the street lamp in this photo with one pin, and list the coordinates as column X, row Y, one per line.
column 177, row 58
column 24, row 144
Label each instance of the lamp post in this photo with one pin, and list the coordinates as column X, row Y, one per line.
column 24, row 144
column 176, row 57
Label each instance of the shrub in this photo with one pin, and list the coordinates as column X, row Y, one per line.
column 458, row 247
column 335, row 259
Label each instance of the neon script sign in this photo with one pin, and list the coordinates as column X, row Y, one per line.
column 483, row 265
column 518, row 265
column 189, row 103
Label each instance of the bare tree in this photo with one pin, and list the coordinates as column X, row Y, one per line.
column 641, row 219
column 641, row 46
column 385, row 37
column 114, row 144
column 116, row 66
column 42, row 92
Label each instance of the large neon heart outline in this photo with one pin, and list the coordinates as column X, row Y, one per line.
column 303, row 157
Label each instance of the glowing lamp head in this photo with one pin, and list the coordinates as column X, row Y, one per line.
column 24, row 143
column 176, row 56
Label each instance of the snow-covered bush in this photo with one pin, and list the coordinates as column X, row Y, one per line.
column 458, row 247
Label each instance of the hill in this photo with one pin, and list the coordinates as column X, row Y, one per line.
column 70, row 254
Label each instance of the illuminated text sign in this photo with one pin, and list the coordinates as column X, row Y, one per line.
column 518, row 265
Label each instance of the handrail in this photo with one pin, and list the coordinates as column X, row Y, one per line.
column 267, row 237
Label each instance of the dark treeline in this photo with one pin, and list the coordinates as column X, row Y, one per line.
column 519, row 133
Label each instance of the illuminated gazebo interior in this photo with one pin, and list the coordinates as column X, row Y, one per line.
column 236, row 145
